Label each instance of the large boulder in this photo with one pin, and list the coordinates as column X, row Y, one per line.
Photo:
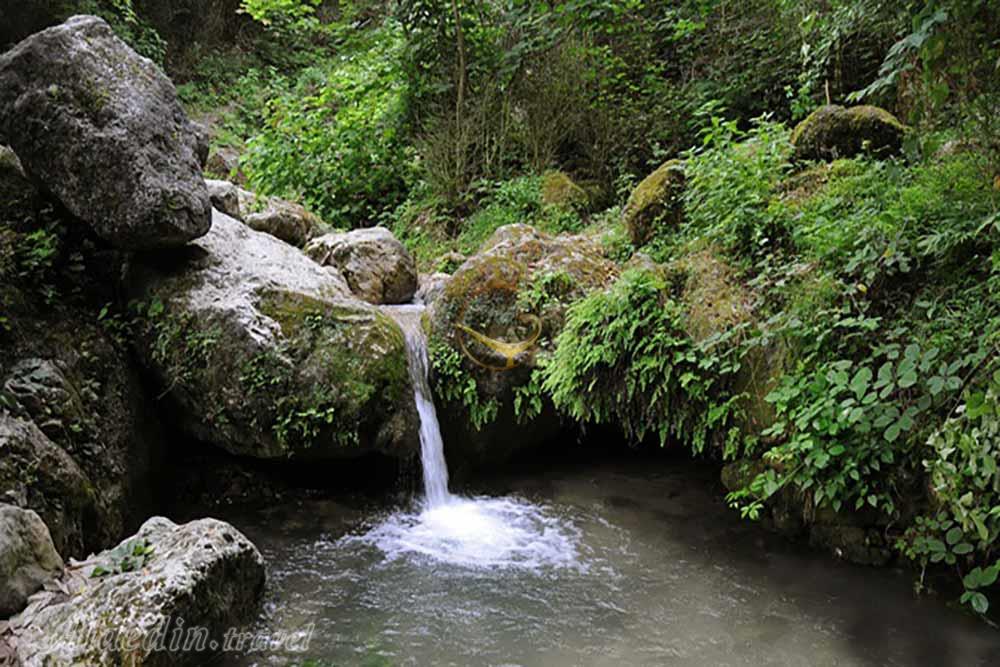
column 100, row 127
column 656, row 204
column 378, row 268
column 833, row 132
column 259, row 350
column 28, row 558
column 282, row 219
column 514, row 290
column 200, row 577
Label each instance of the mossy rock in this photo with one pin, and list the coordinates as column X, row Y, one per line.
column 656, row 205
column 518, row 274
column 558, row 189
column 716, row 302
column 266, row 354
column 833, row 132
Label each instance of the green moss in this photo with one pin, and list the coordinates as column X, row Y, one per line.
column 656, row 203
column 834, row 131
column 558, row 189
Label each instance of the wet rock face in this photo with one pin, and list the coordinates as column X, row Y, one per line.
column 376, row 266
column 204, row 574
column 264, row 353
column 833, row 132
column 101, row 129
column 27, row 557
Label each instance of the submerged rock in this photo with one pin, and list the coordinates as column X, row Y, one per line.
column 656, row 204
column 201, row 577
column 28, row 558
column 833, row 132
column 515, row 289
column 377, row 267
column 261, row 351
column 100, row 127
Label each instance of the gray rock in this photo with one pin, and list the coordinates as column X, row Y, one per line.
column 431, row 286
column 280, row 218
column 263, row 352
column 27, row 557
column 36, row 473
column 204, row 574
column 378, row 268
column 19, row 199
column 100, row 128
column 225, row 198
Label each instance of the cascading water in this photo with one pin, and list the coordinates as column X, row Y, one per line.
column 431, row 446
column 471, row 532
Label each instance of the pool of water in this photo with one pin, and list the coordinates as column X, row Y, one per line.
column 615, row 564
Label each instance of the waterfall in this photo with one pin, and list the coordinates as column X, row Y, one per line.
column 410, row 318
column 477, row 532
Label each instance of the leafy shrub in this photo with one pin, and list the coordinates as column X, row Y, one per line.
column 624, row 358
column 335, row 138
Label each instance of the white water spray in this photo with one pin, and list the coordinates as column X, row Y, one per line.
column 468, row 532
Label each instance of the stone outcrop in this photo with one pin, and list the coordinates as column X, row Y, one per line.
column 28, row 558
column 204, row 576
column 376, row 266
column 259, row 350
column 101, row 129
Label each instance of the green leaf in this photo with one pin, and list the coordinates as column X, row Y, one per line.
column 954, row 535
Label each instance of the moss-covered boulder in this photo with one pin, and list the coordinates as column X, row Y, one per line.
column 656, row 204
column 499, row 310
column 717, row 302
column 558, row 189
column 259, row 350
column 834, row 131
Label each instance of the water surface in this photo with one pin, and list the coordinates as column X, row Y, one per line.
column 639, row 563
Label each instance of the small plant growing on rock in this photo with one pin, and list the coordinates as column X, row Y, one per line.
column 126, row 557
